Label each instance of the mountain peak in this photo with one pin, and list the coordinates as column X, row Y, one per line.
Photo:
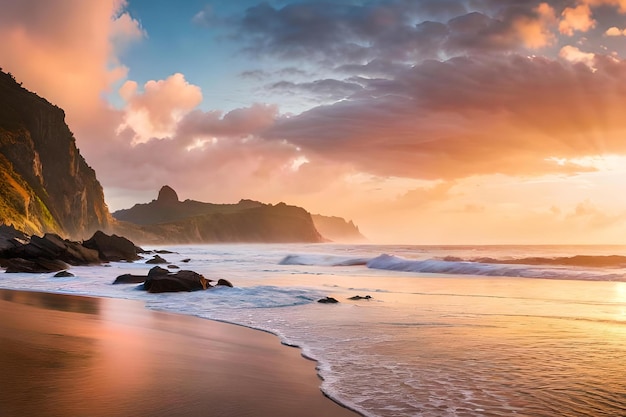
column 167, row 195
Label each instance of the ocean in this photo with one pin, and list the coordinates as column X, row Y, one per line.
column 448, row 330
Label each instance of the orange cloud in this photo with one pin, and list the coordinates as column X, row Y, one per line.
column 615, row 31
column 65, row 50
column 155, row 112
column 536, row 32
column 577, row 18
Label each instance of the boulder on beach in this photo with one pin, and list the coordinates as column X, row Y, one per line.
column 328, row 300
column 180, row 281
column 358, row 297
column 224, row 283
column 49, row 253
column 113, row 248
column 11, row 238
column 63, row 274
column 35, row 266
column 156, row 259
column 129, row 279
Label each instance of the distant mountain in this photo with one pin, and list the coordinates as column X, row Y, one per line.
column 168, row 220
column 45, row 183
column 338, row 229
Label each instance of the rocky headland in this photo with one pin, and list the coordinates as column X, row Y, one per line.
column 192, row 221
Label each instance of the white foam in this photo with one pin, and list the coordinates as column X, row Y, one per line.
column 434, row 266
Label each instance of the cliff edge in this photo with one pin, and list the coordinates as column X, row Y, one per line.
column 45, row 183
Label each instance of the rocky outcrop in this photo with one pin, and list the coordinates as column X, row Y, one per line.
column 338, row 229
column 161, row 280
column 113, row 248
column 168, row 220
column 52, row 253
column 45, row 183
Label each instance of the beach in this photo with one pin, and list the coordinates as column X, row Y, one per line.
column 64, row 355
column 444, row 336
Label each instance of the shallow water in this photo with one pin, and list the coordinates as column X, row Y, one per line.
column 425, row 344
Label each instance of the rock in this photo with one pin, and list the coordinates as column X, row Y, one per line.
column 63, row 274
column 52, row 247
column 173, row 267
column 113, row 248
column 33, row 266
column 223, row 282
column 328, row 300
column 163, row 251
column 167, row 196
column 181, row 281
column 156, row 260
column 186, row 260
column 129, row 279
column 157, row 270
column 358, row 297
column 11, row 238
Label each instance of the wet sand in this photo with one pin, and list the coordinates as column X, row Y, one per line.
column 77, row 356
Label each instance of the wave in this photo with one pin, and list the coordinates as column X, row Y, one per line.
column 594, row 261
column 323, row 260
column 461, row 267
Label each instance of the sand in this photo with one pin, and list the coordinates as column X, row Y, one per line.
column 76, row 356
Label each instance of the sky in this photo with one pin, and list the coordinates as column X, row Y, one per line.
column 423, row 121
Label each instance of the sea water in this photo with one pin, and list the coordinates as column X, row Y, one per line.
column 448, row 331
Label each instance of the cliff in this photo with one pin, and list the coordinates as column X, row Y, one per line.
column 168, row 220
column 45, row 183
column 338, row 229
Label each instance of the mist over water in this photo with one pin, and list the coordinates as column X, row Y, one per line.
column 458, row 340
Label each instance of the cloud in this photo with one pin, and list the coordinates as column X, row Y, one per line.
column 615, row 31
column 155, row 112
column 577, row 18
column 395, row 29
column 326, row 89
column 573, row 54
column 71, row 50
column 468, row 116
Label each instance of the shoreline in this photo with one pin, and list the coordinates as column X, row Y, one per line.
column 69, row 355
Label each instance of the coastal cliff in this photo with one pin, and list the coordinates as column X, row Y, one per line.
column 45, row 183
column 338, row 229
column 168, row 220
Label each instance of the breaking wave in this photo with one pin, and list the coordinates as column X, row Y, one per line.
column 512, row 269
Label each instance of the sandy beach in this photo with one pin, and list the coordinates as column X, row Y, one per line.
column 76, row 356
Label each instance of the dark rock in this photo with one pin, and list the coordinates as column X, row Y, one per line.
column 163, row 251
column 53, row 247
column 129, row 279
column 358, row 297
column 156, row 260
column 224, row 282
column 173, row 267
column 180, row 281
column 33, row 266
column 328, row 300
column 63, row 274
column 167, row 195
column 157, row 270
column 11, row 238
column 186, row 260
column 113, row 248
